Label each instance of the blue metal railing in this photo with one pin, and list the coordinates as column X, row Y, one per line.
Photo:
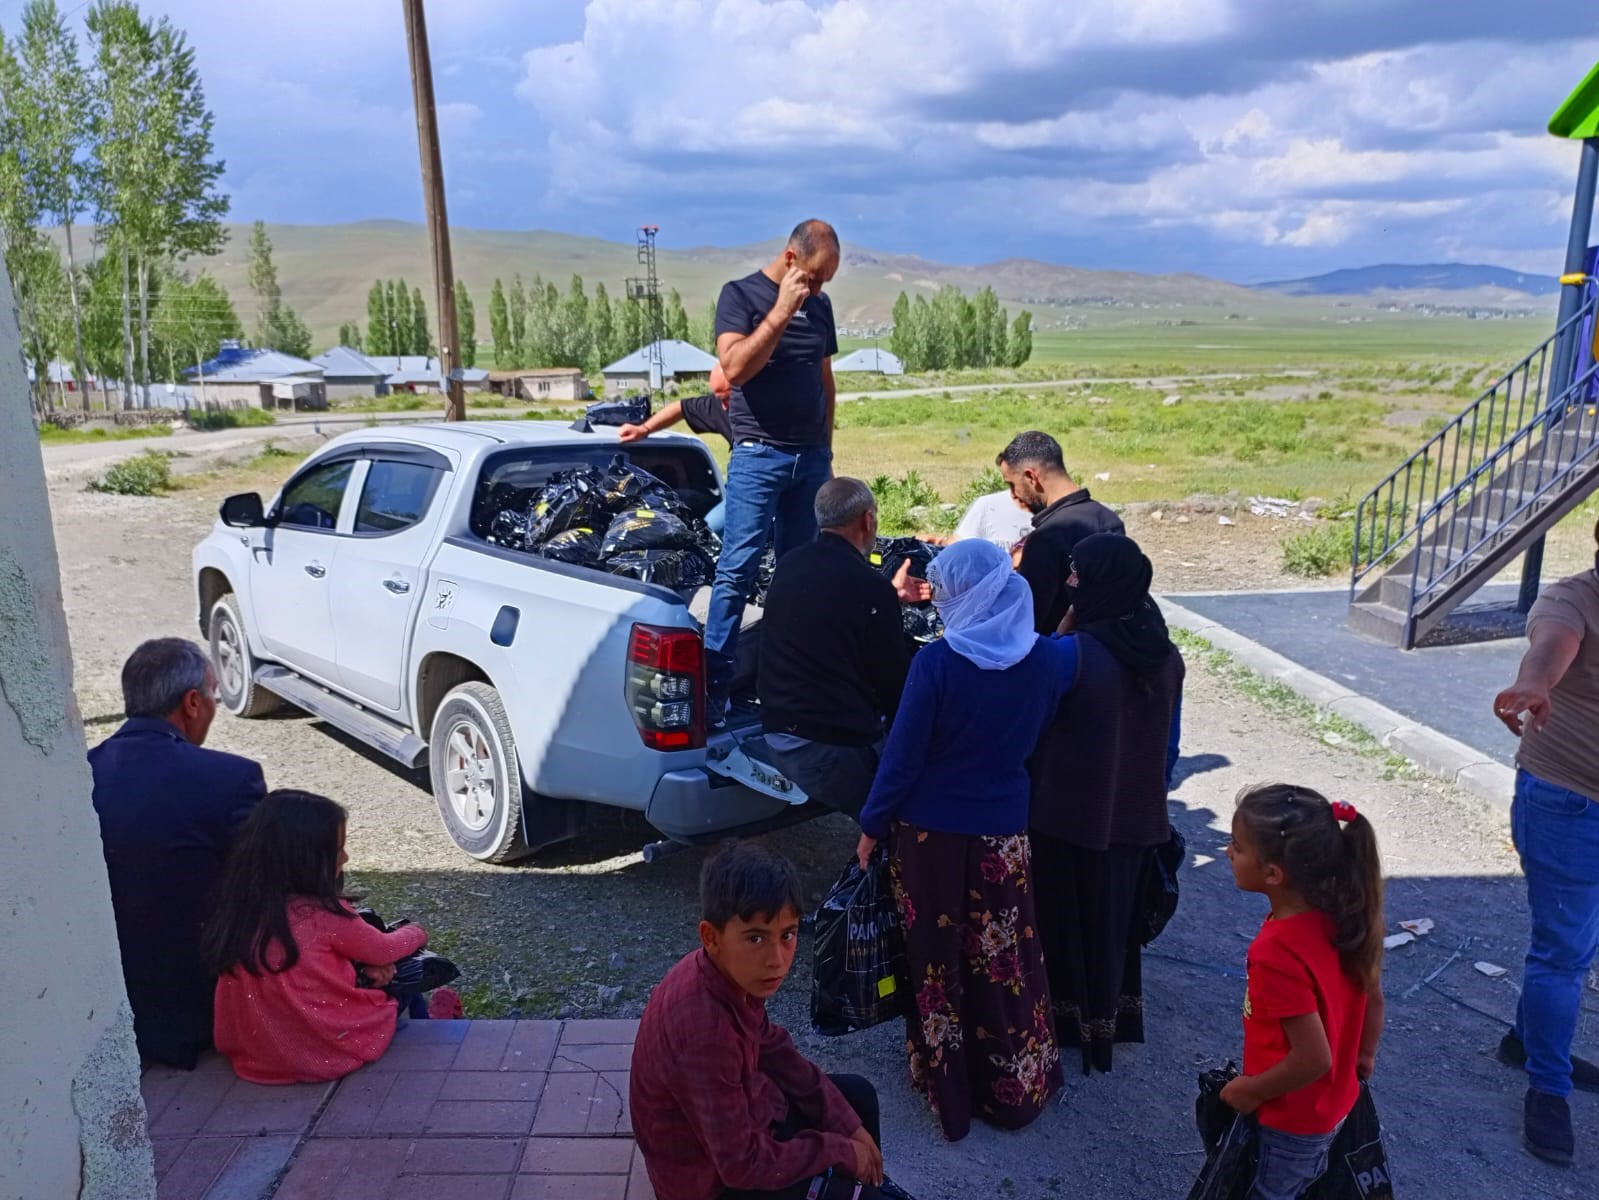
column 1504, row 454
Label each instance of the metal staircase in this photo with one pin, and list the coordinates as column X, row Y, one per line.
column 1482, row 490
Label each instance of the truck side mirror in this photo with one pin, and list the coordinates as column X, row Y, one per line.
column 243, row 511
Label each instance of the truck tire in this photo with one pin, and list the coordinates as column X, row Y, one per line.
column 477, row 778
column 237, row 690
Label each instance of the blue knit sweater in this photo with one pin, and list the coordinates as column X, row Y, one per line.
column 956, row 759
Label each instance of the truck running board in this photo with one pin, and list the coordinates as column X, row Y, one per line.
column 386, row 736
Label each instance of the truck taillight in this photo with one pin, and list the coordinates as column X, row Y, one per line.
column 666, row 687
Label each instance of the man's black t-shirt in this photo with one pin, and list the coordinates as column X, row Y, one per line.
column 1047, row 552
column 783, row 404
column 707, row 414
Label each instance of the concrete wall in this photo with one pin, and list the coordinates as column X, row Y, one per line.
column 550, row 388
column 71, row 1119
column 352, row 389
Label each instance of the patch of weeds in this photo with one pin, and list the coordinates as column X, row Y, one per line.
column 985, row 483
column 1280, row 698
column 56, row 435
column 910, row 504
column 1321, row 550
column 230, row 418
column 146, row 474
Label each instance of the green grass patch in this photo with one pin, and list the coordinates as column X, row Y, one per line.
column 146, row 474
column 1322, row 549
column 55, row 435
column 909, row 504
column 211, row 420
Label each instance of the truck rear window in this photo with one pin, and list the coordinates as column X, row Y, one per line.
column 686, row 468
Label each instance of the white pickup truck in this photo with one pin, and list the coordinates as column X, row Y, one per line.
column 530, row 688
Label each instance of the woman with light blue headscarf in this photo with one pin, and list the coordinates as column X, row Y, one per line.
column 952, row 794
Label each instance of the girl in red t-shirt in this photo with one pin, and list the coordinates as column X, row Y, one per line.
column 1313, row 1007
column 285, row 944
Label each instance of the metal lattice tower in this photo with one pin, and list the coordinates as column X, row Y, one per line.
column 646, row 290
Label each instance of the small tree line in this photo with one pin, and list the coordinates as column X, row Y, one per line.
column 123, row 139
column 954, row 331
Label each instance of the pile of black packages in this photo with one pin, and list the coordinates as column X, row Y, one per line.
column 623, row 486
column 526, row 518
column 919, row 621
column 646, row 529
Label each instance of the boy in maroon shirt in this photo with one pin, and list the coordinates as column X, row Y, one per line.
column 724, row 1106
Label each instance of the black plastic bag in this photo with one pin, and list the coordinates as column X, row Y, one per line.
column 1357, row 1164
column 623, row 486
column 859, row 977
column 583, row 547
column 890, row 554
column 629, row 410
column 685, row 568
column 763, row 578
column 1229, row 1139
column 523, row 518
column 421, row 972
column 1160, row 891
column 647, row 529
column 921, row 623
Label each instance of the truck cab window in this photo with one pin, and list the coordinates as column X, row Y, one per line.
column 312, row 501
column 395, row 496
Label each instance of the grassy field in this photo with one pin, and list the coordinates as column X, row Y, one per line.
column 54, row 435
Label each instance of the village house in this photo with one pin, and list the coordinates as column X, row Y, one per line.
column 349, row 374
column 540, row 384
column 870, row 360
column 242, row 378
column 681, row 363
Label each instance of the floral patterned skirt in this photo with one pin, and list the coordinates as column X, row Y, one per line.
column 981, row 1037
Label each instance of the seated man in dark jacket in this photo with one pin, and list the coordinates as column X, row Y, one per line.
column 1063, row 515
column 168, row 813
column 833, row 654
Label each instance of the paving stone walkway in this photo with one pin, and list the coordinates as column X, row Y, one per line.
column 456, row 1110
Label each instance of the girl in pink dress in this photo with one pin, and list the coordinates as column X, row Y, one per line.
column 286, row 944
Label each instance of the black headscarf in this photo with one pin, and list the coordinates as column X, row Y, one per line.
column 1113, row 604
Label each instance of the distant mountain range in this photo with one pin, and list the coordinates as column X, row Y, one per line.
column 1430, row 277
column 326, row 270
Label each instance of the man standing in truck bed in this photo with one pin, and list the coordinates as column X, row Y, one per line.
column 774, row 337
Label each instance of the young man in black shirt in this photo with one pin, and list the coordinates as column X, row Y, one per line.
column 1063, row 515
column 774, row 337
column 833, row 657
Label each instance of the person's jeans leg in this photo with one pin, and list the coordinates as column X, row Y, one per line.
column 862, row 1097
column 796, row 506
column 756, row 475
column 1556, row 832
column 837, row 776
column 1288, row 1163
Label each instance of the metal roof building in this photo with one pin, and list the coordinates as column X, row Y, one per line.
column 677, row 358
column 870, row 359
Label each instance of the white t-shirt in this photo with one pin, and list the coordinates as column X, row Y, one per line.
column 995, row 518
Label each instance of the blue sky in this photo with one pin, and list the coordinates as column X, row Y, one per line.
column 1247, row 139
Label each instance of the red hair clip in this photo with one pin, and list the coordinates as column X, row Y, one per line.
column 1343, row 811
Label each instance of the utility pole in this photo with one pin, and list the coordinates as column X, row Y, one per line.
column 427, row 138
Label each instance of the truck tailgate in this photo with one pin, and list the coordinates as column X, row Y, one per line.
column 743, row 755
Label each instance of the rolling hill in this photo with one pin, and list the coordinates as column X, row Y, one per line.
column 326, row 270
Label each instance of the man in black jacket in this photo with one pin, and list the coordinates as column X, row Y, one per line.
column 169, row 810
column 833, row 654
column 1063, row 515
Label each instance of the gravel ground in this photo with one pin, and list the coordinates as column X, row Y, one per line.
column 543, row 939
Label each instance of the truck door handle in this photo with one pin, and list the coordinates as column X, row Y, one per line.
column 398, row 586
column 315, row 570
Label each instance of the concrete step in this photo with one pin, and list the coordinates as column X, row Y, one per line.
column 1379, row 622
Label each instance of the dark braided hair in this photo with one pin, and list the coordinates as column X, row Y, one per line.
column 1333, row 864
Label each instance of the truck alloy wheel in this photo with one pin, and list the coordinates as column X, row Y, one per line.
column 477, row 781
column 234, row 664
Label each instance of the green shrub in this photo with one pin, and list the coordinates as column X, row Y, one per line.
column 985, row 483
column 1321, row 550
column 909, row 504
column 230, row 418
column 146, row 474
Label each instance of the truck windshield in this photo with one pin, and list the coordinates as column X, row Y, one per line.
column 685, row 467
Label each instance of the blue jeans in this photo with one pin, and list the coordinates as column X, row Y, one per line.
column 767, row 490
column 1556, row 832
column 1289, row 1163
